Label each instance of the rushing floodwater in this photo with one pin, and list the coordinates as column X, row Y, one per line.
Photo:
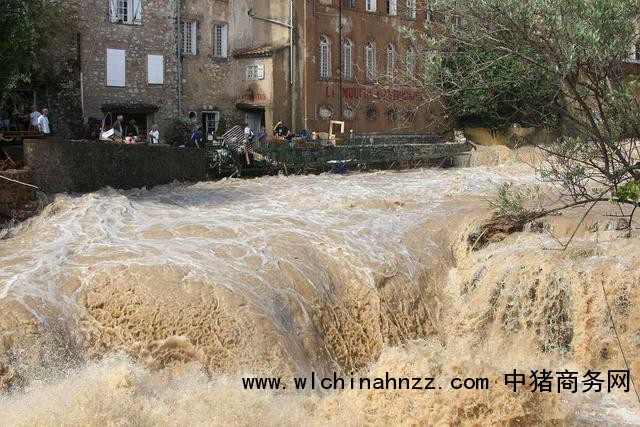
column 146, row 307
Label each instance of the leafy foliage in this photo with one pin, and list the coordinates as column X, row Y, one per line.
column 491, row 89
column 33, row 37
column 629, row 192
column 179, row 131
column 511, row 202
column 537, row 60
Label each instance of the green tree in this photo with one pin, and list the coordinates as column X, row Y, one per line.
column 490, row 89
column 33, row 37
column 544, row 59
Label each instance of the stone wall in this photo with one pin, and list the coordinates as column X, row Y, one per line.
column 82, row 166
column 17, row 201
column 156, row 35
column 213, row 84
column 394, row 155
column 395, row 139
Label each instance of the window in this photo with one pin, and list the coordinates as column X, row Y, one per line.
column 189, row 37
column 325, row 58
column 116, row 66
column 391, row 60
column 411, row 9
column 211, row 121
column 411, row 63
column 371, row 5
column 392, row 7
column 220, row 40
column 123, row 10
column 255, row 72
column 155, row 69
column 370, row 59
column 126, row 11
column 347, row 60
column 349, row 4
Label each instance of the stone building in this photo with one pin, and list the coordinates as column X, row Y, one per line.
column 240, row 66
column 233, row 62
column 227, row 62
column 360, row 67
column 128, row 60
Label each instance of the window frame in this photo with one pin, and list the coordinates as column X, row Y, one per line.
column 370, row 61
column 324, row 63
column 216, row 120
column 256, row 73
column 371, row 6
column 410, row 58
column 224, row 40
column 412, row 9
column 347, row 65
column 392, row 7
column 133, row 14
column 193, row 36
column 391, row 60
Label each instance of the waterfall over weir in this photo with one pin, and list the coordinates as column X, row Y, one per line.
column 149, row 307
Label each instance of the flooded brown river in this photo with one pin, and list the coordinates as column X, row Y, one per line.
column 150, row 307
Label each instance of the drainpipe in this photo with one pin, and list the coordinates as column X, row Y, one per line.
column 179, row 53
column 80, row 68
column 340, row 44
column 304, row 67
column 81, row 96
column 292, row 69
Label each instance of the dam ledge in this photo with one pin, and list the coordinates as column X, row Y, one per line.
column 82, row 166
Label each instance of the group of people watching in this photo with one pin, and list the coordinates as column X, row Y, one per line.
column 36, row 121
column 130, row 132
column 280, row 132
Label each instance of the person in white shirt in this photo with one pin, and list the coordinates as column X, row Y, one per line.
column 154, row 134
column 34, row 116
column 43, row 122
column 248, row 134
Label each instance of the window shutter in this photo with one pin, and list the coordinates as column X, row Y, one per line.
column 113, row 10
column 260, row 72
column 194, row 37
column 137, row 12
column 224, row 41
column 116, row 68
column 155, row 69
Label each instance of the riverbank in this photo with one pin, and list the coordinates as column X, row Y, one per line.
column 18, row 197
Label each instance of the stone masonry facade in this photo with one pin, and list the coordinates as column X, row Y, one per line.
column 227, row 62
column 151, row 30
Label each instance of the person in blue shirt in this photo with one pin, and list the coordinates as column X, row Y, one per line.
column 196, row 138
